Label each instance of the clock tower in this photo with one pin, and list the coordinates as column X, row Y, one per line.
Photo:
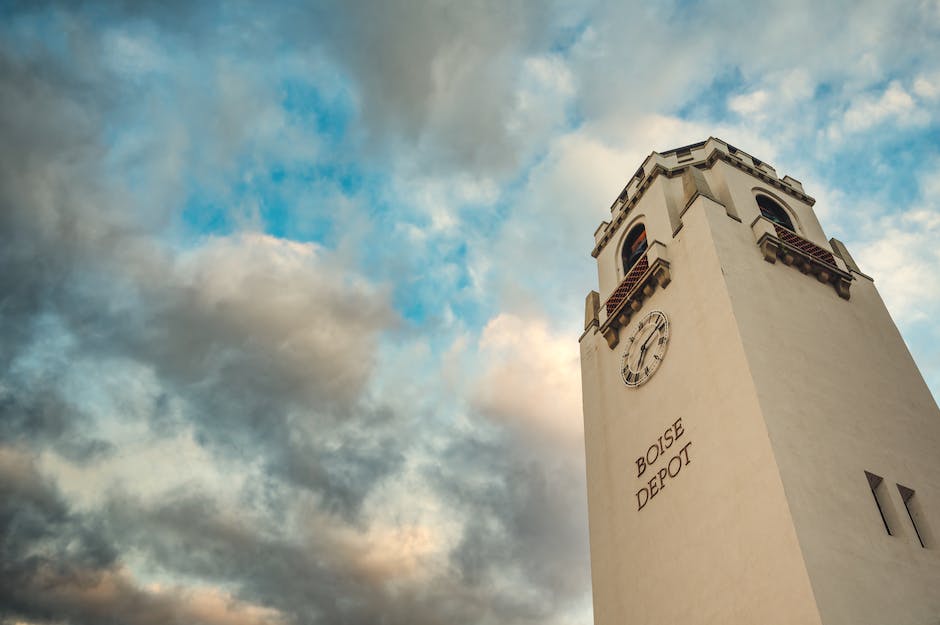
column 761, row 448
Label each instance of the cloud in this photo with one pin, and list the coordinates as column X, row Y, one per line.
column 895, row 103
column 927, row 88
column 749, row 104
column 135, row 56
column 58, row 563
column 257, row 297
column 450, row 93
column 249, row 332
column 290, row 297
column 524, row 535
column 530, row 381
column 241, row 352
column 93, row 596
column 904, row 259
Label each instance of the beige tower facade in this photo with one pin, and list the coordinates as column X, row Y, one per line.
column 761, row 447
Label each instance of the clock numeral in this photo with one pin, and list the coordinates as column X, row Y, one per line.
column 662, row 340
column 646, row 371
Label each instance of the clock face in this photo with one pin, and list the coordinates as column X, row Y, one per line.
column 645, row 348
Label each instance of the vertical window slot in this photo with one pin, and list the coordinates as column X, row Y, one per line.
column 876, row 483
column 916, row 515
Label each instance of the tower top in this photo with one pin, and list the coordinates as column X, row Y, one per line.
column 674, row 162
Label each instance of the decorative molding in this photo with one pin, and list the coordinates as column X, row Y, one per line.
column 839, row 249
column 651, row 271
column 592, row 304
column 694, row 185
column 775, row 242
column 654, row 165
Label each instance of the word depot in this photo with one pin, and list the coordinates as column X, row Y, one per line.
column 668, row 468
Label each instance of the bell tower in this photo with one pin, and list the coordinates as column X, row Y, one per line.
column 761, row 447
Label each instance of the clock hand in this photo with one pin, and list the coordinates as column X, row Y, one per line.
column 650, row 338
column 645, row 346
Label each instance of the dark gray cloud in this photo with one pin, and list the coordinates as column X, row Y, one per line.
column 263, row 349
column 436, row 78
column 249, row 334
column 246, row 330
column 315, row 576
column 48, row 124
column 38, row 413
column 514, row 518
column 59, row 565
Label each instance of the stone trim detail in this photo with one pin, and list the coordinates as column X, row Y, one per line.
column 652, row 271
column 654, row 166
column 633, row 276
column 839, row 249
column 807, row 247
column 694, row 185
column 775, row 242
column 592, row 304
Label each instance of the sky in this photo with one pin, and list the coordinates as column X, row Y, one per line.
column 290, row 292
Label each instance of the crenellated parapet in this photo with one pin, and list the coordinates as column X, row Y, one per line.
column 683, row 162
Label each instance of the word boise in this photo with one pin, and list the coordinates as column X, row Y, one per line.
column 668, row 469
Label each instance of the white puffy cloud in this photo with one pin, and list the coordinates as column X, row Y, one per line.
column 895, row 103
column 927, row 87
column 310, row 322
column 779, row 96
column 531, row 381
column 750, row 103
column 905, row 261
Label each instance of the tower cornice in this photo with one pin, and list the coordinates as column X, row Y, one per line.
column 675, row 162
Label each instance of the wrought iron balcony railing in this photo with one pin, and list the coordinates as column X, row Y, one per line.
column 633, row 276
column 776, row 241
column 807, row 247
column 649, row 272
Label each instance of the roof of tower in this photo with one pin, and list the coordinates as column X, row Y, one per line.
column 671, row 163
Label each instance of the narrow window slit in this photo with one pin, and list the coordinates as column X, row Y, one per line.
column 875, row 483
column 913, row 512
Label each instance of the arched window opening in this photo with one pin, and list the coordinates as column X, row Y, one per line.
column 633, row 247
column 774, row 212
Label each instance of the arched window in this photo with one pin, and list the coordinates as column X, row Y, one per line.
column 633, row 247
column 774, row 212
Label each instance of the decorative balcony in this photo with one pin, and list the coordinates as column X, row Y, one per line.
column 649, row 272
column 633, row 276
column 775, row 242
